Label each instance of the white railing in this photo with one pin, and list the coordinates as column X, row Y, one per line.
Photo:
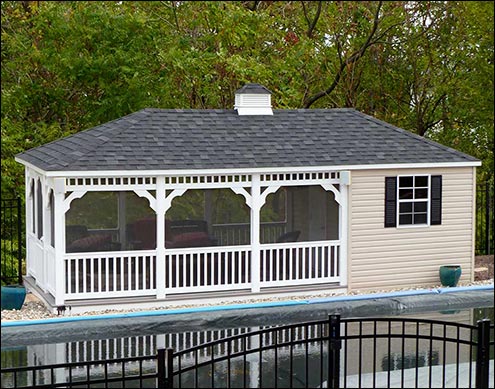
column 114, row 348
column 207, row 269
column 240, row 233
column 35, row 263
column 299, row 263
column 112, row 274
column 100, row 349
column 50, row 269
column 195, row 269
column 231, row 234
column 134, row 346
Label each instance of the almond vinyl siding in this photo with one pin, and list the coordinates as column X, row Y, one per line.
column 385, row 258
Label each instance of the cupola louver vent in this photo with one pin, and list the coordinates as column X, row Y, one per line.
column 253, row 99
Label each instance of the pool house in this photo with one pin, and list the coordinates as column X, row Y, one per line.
column 165, row 206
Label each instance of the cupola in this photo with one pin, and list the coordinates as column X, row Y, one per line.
column 253, row 99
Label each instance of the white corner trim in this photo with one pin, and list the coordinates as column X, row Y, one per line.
column 345, row 177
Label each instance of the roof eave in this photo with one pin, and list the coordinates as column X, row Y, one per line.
column 260, row 170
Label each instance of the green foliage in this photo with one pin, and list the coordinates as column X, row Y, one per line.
column 434, row 76
column 225, row 207
column 275, row 207
column 68, row 66
column 100, row 210
column 95, row 210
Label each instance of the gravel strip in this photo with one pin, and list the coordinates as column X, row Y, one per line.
column 33, row 309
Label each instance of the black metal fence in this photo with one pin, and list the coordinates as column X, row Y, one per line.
column 137, row 372
column 485, row 218
column 371, row 352
column 12, row 246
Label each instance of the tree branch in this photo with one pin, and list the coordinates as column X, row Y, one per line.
column 173, row 6
column 311, row 23
column 430, row 124
column 253, row 6
column 352, row 58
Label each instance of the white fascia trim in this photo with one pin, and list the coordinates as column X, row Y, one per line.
column 35, row 168
column 264, row 170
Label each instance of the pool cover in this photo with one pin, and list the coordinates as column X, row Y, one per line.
column 78, row 328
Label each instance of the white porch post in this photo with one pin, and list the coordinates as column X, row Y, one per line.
column 160, row 238
column 45, row 239
column 60, row 209
column 40, row 226
column 28, row 220
column 344, row 225
column 255, row 232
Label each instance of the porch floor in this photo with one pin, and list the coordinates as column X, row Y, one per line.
column 104, row 305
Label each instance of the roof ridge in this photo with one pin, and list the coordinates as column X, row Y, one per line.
column 414, row 136
column 119, row 131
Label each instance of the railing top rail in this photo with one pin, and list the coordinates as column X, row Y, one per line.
column 409, row 320
column 447, row 339
column 110, row 254
column 312, row 243
column 207, row 249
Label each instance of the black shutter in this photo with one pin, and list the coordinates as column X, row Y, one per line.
column 390, row 201
column 436, row 200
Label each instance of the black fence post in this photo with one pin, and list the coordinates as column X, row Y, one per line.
column 19, row 241
column 483, row 353
column 488, row 216
column 334, row 346
column 161, row 374
column 169, row 356
column 165, row 368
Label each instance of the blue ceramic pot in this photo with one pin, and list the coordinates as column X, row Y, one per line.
column 13, row 296
column 450, row 274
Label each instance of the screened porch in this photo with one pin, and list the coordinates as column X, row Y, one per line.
column 159, row 236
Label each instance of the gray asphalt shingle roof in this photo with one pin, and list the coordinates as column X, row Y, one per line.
column 174, row 139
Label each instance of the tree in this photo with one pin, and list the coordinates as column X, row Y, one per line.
column 68, row 66
column 435, row 77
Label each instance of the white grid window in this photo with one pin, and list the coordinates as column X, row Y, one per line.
column 413, row 195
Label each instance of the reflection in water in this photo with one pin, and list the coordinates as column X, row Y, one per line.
column 379, row 356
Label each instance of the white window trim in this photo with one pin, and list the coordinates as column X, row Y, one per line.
column 428, row 201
